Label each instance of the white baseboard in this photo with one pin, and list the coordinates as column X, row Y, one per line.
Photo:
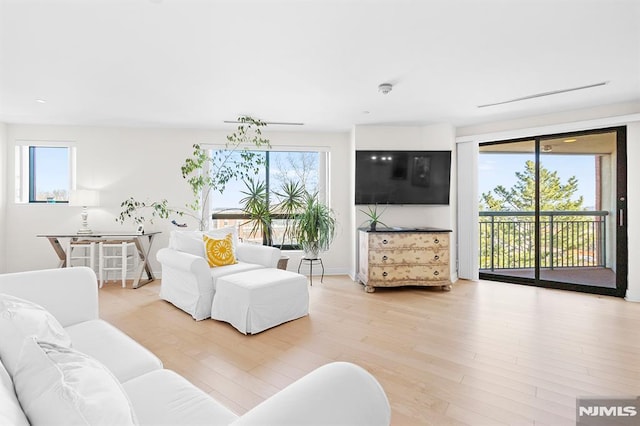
column 632, row 295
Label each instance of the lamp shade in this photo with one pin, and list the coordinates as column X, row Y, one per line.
column 84, row 198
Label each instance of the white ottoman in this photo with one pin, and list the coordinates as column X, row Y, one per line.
column 255, row 300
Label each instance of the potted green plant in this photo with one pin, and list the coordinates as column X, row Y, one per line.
column 315, row 226
column 256, row 204
column 373, row 217
column 291, row 201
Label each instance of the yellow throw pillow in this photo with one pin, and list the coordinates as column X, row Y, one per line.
column 219, row 252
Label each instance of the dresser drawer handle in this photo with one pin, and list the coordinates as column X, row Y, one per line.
column 384, row 241
column 436, row 273
column 384, row 274
column 436, row 257
column 436, row 241
column 384, row 258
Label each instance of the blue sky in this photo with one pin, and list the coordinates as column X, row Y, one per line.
column 500, row 169
column 52, row 169
column 281, row 166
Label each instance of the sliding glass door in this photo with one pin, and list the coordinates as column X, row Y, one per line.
column 507, row 209
column 552, row 211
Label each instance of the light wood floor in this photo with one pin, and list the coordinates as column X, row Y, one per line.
column 485, row 353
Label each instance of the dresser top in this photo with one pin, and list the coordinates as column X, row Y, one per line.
column 425, row 229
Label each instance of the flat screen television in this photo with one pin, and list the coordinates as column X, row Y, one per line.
column 403, row 177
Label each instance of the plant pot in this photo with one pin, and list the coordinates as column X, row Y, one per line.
column 311, row 249
column 372, row 226
column 282, row 263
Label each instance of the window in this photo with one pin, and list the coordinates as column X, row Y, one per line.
column 308, row 168
column 44, row 172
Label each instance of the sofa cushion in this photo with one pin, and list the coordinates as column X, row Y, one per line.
column 57, row 385
column 187, row 242
column 162, row 397
column 123, row 356
column 219, row 251
column 10, row 411
column 21, row 318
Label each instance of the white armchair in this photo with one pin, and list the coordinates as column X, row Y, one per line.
column 187, row 280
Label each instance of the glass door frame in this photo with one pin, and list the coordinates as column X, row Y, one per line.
column 620, row 218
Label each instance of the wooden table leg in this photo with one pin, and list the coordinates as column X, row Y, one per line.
column 57, row 247
column 144, row 266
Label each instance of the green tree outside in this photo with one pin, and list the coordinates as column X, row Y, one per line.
column 554, row 195
column 508, row 241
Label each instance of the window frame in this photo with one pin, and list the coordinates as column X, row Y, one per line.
column 323, row 183
column 25, row 171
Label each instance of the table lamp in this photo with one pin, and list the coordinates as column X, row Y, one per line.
column 84, row 198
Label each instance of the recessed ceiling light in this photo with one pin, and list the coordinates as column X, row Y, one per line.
column 41, row 101
column 365, row 112
column 570, row 140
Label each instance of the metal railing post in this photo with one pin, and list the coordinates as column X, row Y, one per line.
column 603, row 242
column 492, row 239
column 551, row 245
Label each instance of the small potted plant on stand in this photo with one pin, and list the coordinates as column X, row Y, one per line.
column 315, row 227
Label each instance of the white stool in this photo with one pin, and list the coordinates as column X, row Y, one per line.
column 82, row 250
column 119, row 256
column 256, row 300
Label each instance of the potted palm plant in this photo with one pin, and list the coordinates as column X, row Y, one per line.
column 315, row 226
column 256, row 203
column 291, row 201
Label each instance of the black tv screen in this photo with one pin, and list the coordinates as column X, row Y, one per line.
column 403, row 177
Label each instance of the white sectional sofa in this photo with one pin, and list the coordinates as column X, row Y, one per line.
column 337, row 393
column 187, row 280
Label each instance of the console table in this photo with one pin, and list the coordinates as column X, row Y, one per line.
column 139, row 239
column 393, row 257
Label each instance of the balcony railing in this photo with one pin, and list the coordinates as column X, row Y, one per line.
column 279, row 223
column 568, row 239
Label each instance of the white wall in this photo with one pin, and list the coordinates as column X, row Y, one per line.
column 336, row 260
column 3, row 195
column 145, row 164
column 615, row 115
column 435, row 137
column 633, row 209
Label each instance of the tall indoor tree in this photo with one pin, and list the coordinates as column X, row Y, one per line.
column 207, row 171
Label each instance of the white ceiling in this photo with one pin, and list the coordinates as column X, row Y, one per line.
column 189, row 63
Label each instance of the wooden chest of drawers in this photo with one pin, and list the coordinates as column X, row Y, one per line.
column 399, row 258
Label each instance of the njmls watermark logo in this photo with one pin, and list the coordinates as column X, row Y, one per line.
column 608, row 411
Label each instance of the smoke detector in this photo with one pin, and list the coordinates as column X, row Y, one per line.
column 385, row 88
